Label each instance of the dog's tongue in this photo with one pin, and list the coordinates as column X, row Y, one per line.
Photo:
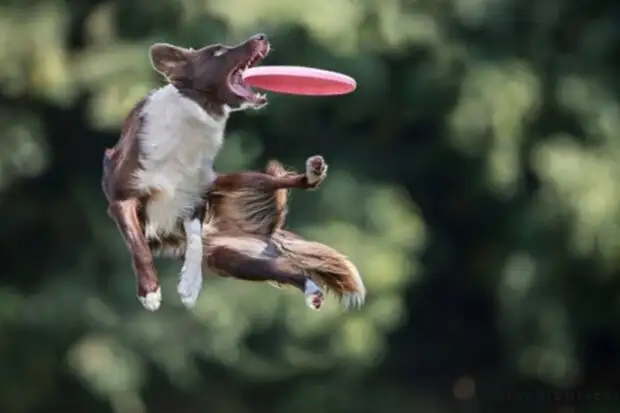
column 243, row 89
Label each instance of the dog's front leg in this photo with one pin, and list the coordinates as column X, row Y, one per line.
column 316, row 171
column 125, row 213
column 190, row 281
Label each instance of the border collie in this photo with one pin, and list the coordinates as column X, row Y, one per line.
column 157, row 176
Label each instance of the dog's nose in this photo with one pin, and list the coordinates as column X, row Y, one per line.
column 260, row 37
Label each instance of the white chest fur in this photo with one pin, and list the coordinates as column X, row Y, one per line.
column 179, row 141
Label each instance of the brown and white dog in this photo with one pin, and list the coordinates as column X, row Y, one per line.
column 244, row 236
column 156, row 177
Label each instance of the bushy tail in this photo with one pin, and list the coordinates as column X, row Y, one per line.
column 326, row 266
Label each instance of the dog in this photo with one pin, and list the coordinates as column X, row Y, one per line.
column 244, row 236
column 156, row 177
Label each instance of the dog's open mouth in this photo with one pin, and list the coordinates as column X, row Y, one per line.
column 235, row 80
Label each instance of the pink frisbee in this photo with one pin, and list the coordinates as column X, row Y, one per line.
column 299, row 80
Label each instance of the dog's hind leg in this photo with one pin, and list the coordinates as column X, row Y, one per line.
column 230, row 262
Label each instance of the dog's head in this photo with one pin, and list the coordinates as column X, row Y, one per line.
column 214, row 71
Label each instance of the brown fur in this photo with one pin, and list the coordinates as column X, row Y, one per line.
column 201, row 74
column 253, row 208
column 245, row 223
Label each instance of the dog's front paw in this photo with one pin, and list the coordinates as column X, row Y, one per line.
column 316, row 169
column 151, row 300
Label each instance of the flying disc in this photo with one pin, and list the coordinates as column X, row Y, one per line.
column 299, row 80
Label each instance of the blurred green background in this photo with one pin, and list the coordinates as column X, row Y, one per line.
column 474, row 179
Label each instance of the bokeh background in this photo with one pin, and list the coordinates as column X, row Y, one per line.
column 474, row 179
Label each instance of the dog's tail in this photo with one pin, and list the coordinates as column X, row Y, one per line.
column 324, row 265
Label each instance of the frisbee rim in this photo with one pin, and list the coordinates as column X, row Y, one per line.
column 341, row 83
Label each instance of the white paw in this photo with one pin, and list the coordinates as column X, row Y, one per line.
column 314, row 295
column 151, row 301
column 190, row 285
column 316, row 169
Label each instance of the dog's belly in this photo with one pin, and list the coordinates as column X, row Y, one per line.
column 163, row 214
column 175, row 187
column 174, row 180
column 172, row 200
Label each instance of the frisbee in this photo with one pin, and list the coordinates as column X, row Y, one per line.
column 299, row 80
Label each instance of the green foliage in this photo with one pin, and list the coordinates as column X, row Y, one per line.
column 473, row 180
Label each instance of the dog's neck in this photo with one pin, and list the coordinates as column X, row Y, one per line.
column 214, row 108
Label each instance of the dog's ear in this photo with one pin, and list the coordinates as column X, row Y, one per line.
column 165, row 58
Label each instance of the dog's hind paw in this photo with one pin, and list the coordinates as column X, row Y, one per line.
column 190, row 285
column 316, row 169
column 314, row 295
column 151, row 301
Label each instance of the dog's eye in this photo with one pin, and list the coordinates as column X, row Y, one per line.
column 219, row 51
